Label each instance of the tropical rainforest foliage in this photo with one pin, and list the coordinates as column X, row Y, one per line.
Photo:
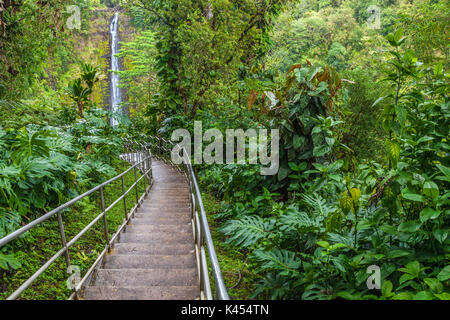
column 363, row 116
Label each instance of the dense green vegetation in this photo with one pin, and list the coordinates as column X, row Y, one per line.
column 55, row 142
column 363, row 119
column 363, row 115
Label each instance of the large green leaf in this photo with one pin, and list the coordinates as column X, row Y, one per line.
column 407, row 194
column 431, row 189
column 434, row 284
column 428, row 214
column 424, row 295
column 283, row 261
column 445, row 170
column 247, row 231
column 444, row 274
column 440, row 235
column 409, row 226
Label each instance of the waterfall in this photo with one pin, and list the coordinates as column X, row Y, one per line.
column 116, row 97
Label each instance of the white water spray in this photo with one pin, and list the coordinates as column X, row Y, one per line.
column 116, row 96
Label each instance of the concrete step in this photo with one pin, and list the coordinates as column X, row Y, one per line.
column 161, row 213
column 124, row 261
column 159, row 220
column 142, row 293
column 167, row 205
column 136, row 227
column 181, row 187
column 156, row 238
column 146, row 277
column 165, row 200
column 155, row 257
column 173, row 189
column 148, row 248
column 176, row 191
column 169, row 178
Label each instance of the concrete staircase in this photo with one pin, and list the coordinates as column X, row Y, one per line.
column 154, row 258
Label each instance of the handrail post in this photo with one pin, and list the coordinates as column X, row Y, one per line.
column 139, row 157
column 64, row 243
column 124, row 202
column 147, row 163
column 105, row 224
column 136, row 154
column 144, row 175
column 150, row 168
column 150, row 162
column 136, row 188
column 63, row 238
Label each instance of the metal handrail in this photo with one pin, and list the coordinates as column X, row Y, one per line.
column 137, row 154
column 202, row 234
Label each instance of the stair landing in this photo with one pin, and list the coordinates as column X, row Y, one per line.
column 154, row 258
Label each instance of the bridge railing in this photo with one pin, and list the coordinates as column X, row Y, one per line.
column 140, row 158
column 202, row 235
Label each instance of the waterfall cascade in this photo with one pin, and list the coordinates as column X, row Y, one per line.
column 116, row 96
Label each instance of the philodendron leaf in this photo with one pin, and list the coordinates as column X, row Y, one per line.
column 283, row 173
column 434, row 284
column 431, row 189
column 443, row 296
column 407, row 194
column 444, row 275
column 428, row 214
column 409, row 226
column 321, row 150
column 424, row 295
column 298, row 141
column 386, row 289
column 323, row 244
column 398, row 35
column 445, row 170
column 403, row 296
column 398, row 253
column 440, row 235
